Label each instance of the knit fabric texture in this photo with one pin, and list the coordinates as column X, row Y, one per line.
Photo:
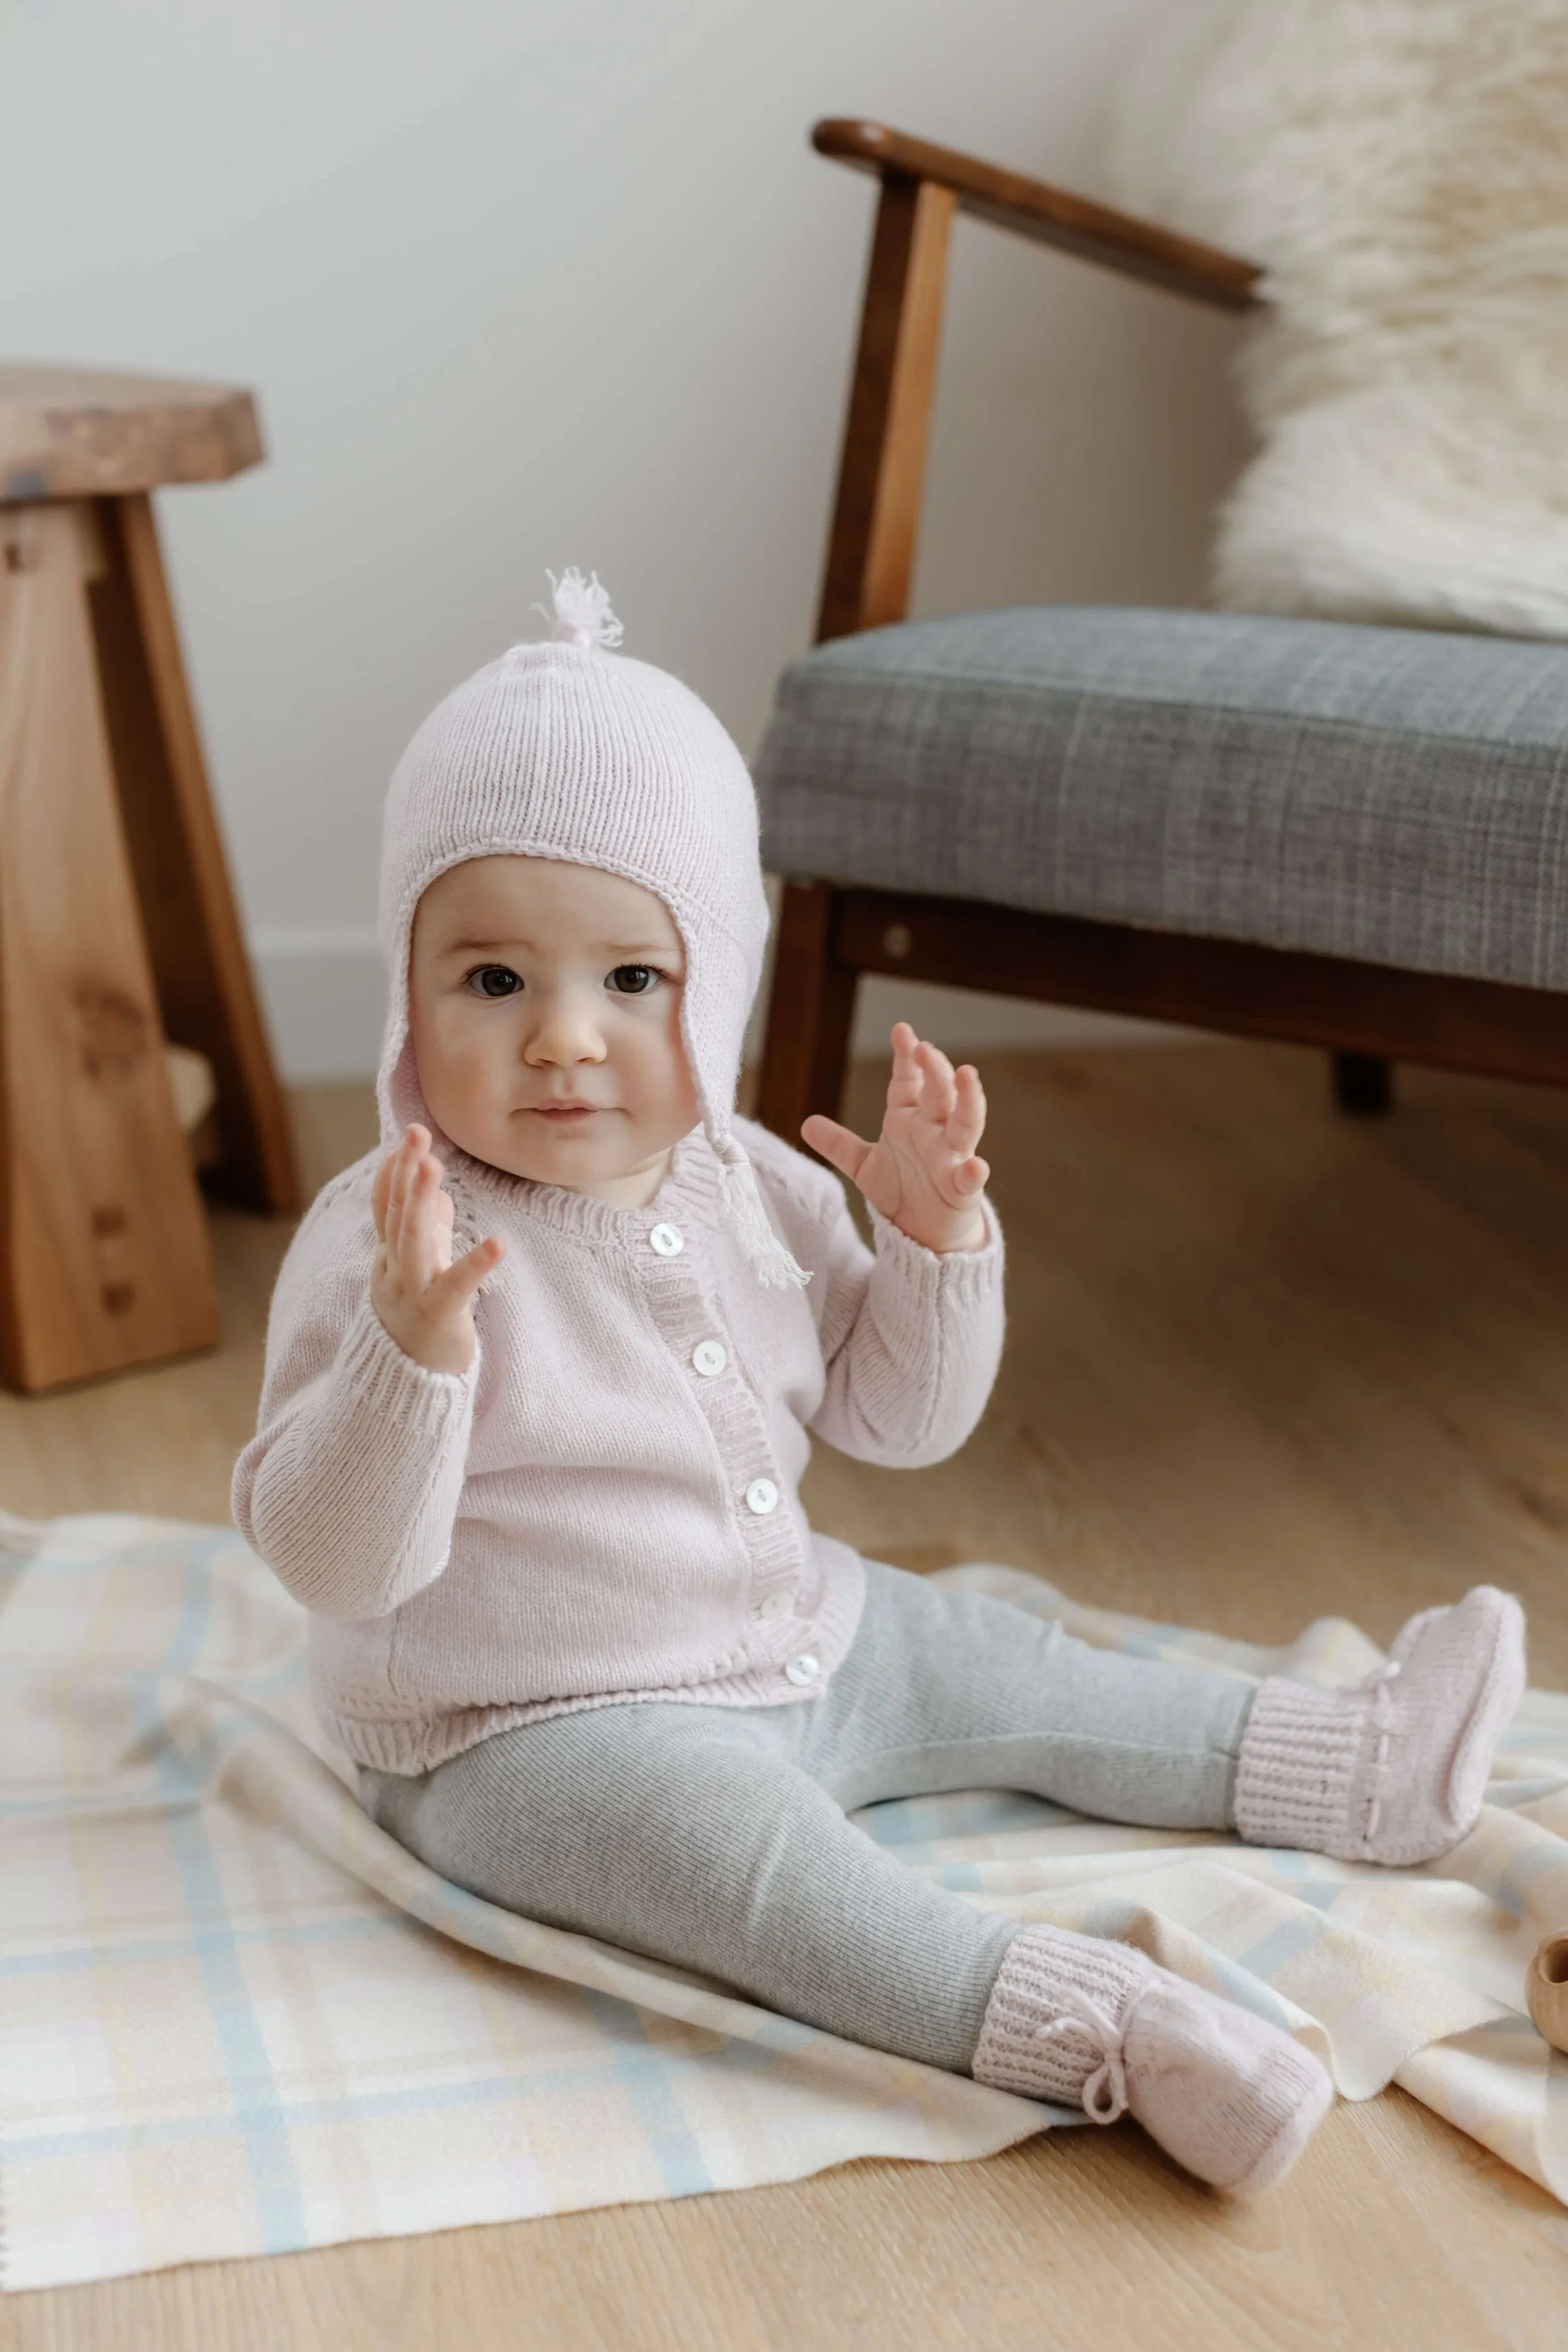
column 1096, row 2024
column 1304, row 1774
column 605, row 1504
column 725, row 1839
column 1396, row 1772
column 569, row 749
column 1034, row 2039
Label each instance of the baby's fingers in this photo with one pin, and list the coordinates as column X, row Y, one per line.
column 937, row 1094
column 967, row 1123
column 405, row 1164
column 839, row 1146
column 904, row 1085
column 381, row 1192
column 452, row 1290
column 423, row 1245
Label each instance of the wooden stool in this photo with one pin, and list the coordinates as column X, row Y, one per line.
column 118, row 928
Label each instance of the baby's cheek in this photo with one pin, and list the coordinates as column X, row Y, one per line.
column 460, row 1079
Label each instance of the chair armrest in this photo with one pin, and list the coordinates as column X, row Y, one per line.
column 1053, row 217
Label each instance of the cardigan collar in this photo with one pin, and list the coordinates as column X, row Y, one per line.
column 691, row 1191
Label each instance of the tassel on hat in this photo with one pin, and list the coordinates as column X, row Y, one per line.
column 582, row 614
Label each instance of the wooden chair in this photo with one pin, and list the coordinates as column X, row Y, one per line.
column 862, row 895
column 118, row 928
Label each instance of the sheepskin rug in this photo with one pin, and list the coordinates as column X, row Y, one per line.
column 1400, row 169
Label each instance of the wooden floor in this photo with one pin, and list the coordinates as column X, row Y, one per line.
column 1264, row 1364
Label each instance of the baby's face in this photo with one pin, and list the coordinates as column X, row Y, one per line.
column 544, row 1007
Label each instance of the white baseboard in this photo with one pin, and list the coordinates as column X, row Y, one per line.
column 325, row 993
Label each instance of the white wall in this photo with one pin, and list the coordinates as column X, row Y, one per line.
column 523, row 284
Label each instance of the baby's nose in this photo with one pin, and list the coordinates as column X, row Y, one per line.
column 563, row 1033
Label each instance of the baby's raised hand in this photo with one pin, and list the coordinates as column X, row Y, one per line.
column 425, row 1301
column 921, row 1172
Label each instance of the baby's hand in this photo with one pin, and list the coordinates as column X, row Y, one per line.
column 423, row 1299
column 921, row 1174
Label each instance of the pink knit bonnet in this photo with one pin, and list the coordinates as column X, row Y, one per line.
column 569, row 749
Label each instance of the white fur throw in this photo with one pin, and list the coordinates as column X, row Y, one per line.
column 1401, row 168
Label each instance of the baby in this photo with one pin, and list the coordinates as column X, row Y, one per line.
column 539, row 1376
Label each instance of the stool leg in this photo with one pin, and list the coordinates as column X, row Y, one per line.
column 203, row 973
column 104, row 1258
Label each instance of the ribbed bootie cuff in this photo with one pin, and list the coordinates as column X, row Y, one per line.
column 1304, row 1757
column 1047, row 1978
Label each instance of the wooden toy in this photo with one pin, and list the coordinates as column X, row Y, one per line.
column 1548, row 1990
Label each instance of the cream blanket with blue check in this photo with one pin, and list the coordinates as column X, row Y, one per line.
column 236, row 2019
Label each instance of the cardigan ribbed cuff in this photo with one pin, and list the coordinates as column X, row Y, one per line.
column 957, row 1277
column 1041, row 1970
column 939, row 1319
column 1303, row 1770
column 378, row 1374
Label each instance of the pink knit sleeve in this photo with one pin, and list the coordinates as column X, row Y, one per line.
column 910, row 1340
column 350, row 1487
column 921, row 1339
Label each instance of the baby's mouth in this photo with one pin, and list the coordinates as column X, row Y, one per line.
column 563, row 1113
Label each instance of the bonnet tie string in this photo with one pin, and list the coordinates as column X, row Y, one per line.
column 742, row 1203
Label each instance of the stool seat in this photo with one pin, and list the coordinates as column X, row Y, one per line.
column 74, row 432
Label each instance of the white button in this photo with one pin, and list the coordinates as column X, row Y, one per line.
column 777, row 1604
column 804, row 1670
column 667, row 1240
column 761, row 1497
column 708, row 1358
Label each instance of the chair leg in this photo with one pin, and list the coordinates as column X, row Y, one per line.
column 809, row 1015
column 203, row 973
column 1362, row 1085
column 104, row 1257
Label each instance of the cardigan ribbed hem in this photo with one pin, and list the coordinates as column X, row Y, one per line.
column 418, row 1745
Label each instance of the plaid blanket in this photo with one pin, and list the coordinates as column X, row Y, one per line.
column 238, row 2020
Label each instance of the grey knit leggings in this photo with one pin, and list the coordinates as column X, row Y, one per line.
column 715, row 1837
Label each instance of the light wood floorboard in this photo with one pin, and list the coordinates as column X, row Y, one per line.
column 1264, row 1363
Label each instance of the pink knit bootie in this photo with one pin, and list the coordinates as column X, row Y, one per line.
column 1094, row 2025
column 1393, row 1771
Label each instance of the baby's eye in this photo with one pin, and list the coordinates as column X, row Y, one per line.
column 493, row 980
column 633, row 978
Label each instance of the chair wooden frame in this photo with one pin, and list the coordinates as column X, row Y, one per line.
column 1366, row 1015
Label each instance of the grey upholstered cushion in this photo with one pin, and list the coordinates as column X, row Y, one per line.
column 1395, row 795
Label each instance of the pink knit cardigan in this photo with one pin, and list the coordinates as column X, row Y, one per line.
column 603, row 1507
